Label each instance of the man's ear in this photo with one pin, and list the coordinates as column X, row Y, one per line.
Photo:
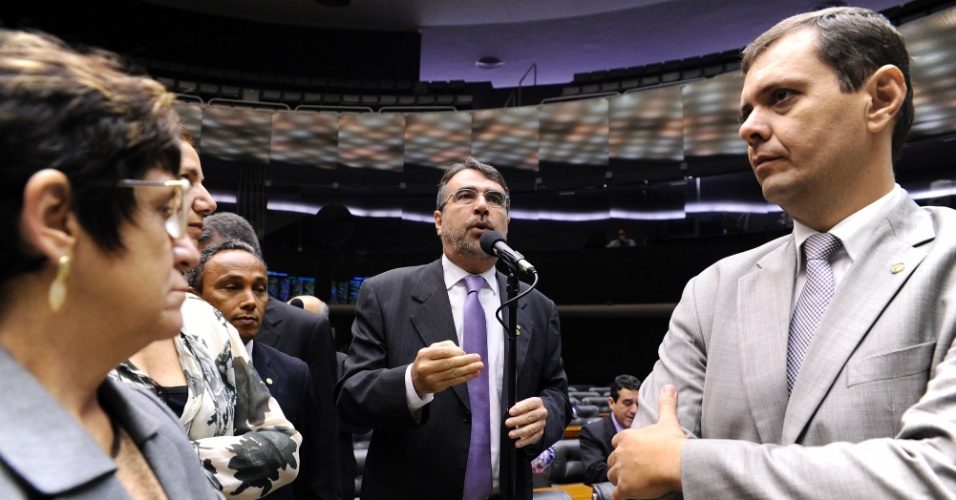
column 610, row 401
column 47, row 222
column 887, row 91
column 438, row 222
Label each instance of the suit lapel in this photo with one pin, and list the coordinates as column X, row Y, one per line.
column 869, row 285
column 269, row 331
column 430, row 314
column 763, row 313
column 260, row 360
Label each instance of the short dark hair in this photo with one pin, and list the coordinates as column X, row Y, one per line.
column 490, row 172
column 83, row 114
column 629, row 382
column 855, row 42
column 194, row 275
column 229, row 226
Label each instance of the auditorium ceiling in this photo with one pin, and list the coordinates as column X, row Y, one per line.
column 660, row 154
column 543, row 40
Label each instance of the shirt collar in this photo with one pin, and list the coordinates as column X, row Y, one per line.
column 454, row 274
column 617, row 425
column 854, row 231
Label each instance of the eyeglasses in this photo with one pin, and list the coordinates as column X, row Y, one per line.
column 176, row 223
column 468, row 196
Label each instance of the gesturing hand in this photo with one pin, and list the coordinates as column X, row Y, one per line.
column 528, row 419
column 442, row 365
column 645, row 462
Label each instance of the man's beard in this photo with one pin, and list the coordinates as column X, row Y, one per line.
column 460, row 244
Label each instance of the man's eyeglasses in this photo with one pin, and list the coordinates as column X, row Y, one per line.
column 176, row 223
column 468, row 196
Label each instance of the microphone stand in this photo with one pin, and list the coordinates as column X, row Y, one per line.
column 509, row 492
column 512, row 333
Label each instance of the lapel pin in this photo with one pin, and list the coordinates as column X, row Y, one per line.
column 899, row 266
column 269, row 380
column 519, row 330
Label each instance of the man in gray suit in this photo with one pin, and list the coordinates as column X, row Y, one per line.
column 407, row 372
column 870, row 412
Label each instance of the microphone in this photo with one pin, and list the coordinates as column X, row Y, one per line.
column 297, row 302
column 494, row 244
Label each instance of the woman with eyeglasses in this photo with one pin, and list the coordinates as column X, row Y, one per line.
column 93, row 219
column 204, row 374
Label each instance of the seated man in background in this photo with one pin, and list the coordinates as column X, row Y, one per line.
column 621, row 241
column 232, row 277
column 596, row 436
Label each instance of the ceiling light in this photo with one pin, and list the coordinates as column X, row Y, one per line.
column 489, row 62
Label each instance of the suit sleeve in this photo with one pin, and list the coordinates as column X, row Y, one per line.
column 683, row 363
column 311, row 482
column 371, row 393
column 323, row 369
column 553, row 388
column 592, row 456
column 915, row 463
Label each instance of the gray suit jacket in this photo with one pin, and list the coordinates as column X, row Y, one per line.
column 400, row 312
column 873, row 412
column 45, row 453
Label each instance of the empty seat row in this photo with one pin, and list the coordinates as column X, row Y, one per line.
column 293, row 98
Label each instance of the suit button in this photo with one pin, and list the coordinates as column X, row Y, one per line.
column 467, row 417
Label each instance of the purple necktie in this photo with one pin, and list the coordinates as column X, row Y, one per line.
column 478, row 483
column 813, row 300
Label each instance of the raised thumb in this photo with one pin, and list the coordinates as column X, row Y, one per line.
column 667, row 404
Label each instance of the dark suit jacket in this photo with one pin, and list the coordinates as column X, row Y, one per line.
column 595, row 448
column 290, row 383
column 306, row 336
column 348, row 466
column 400, row 312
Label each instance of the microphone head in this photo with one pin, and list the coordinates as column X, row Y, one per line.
column 297, row 302
column 487, row 241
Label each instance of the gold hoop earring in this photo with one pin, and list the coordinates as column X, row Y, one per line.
column 58, row 288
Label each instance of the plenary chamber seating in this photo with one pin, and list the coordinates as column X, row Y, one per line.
column 566, row 466
column 551, row 495
column 602, row 491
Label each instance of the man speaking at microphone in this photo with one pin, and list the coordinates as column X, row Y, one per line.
column 426, row 366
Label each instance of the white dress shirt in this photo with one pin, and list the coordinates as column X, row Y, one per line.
column 854, row 232
column 490, row 299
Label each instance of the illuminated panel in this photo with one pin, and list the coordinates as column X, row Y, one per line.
column 437, row 139
column 506, row 137
column 372, row 141
column 647, row 125
column 303, row 138
column 190, row 115
column 575, row 132
column 932, row 45
column 237, row 134
column 711, row 117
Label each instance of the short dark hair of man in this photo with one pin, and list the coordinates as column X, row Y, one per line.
column 194, row 275
column 229, row 226
column 855, row 42
column 629, row 382
column 490, row 172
